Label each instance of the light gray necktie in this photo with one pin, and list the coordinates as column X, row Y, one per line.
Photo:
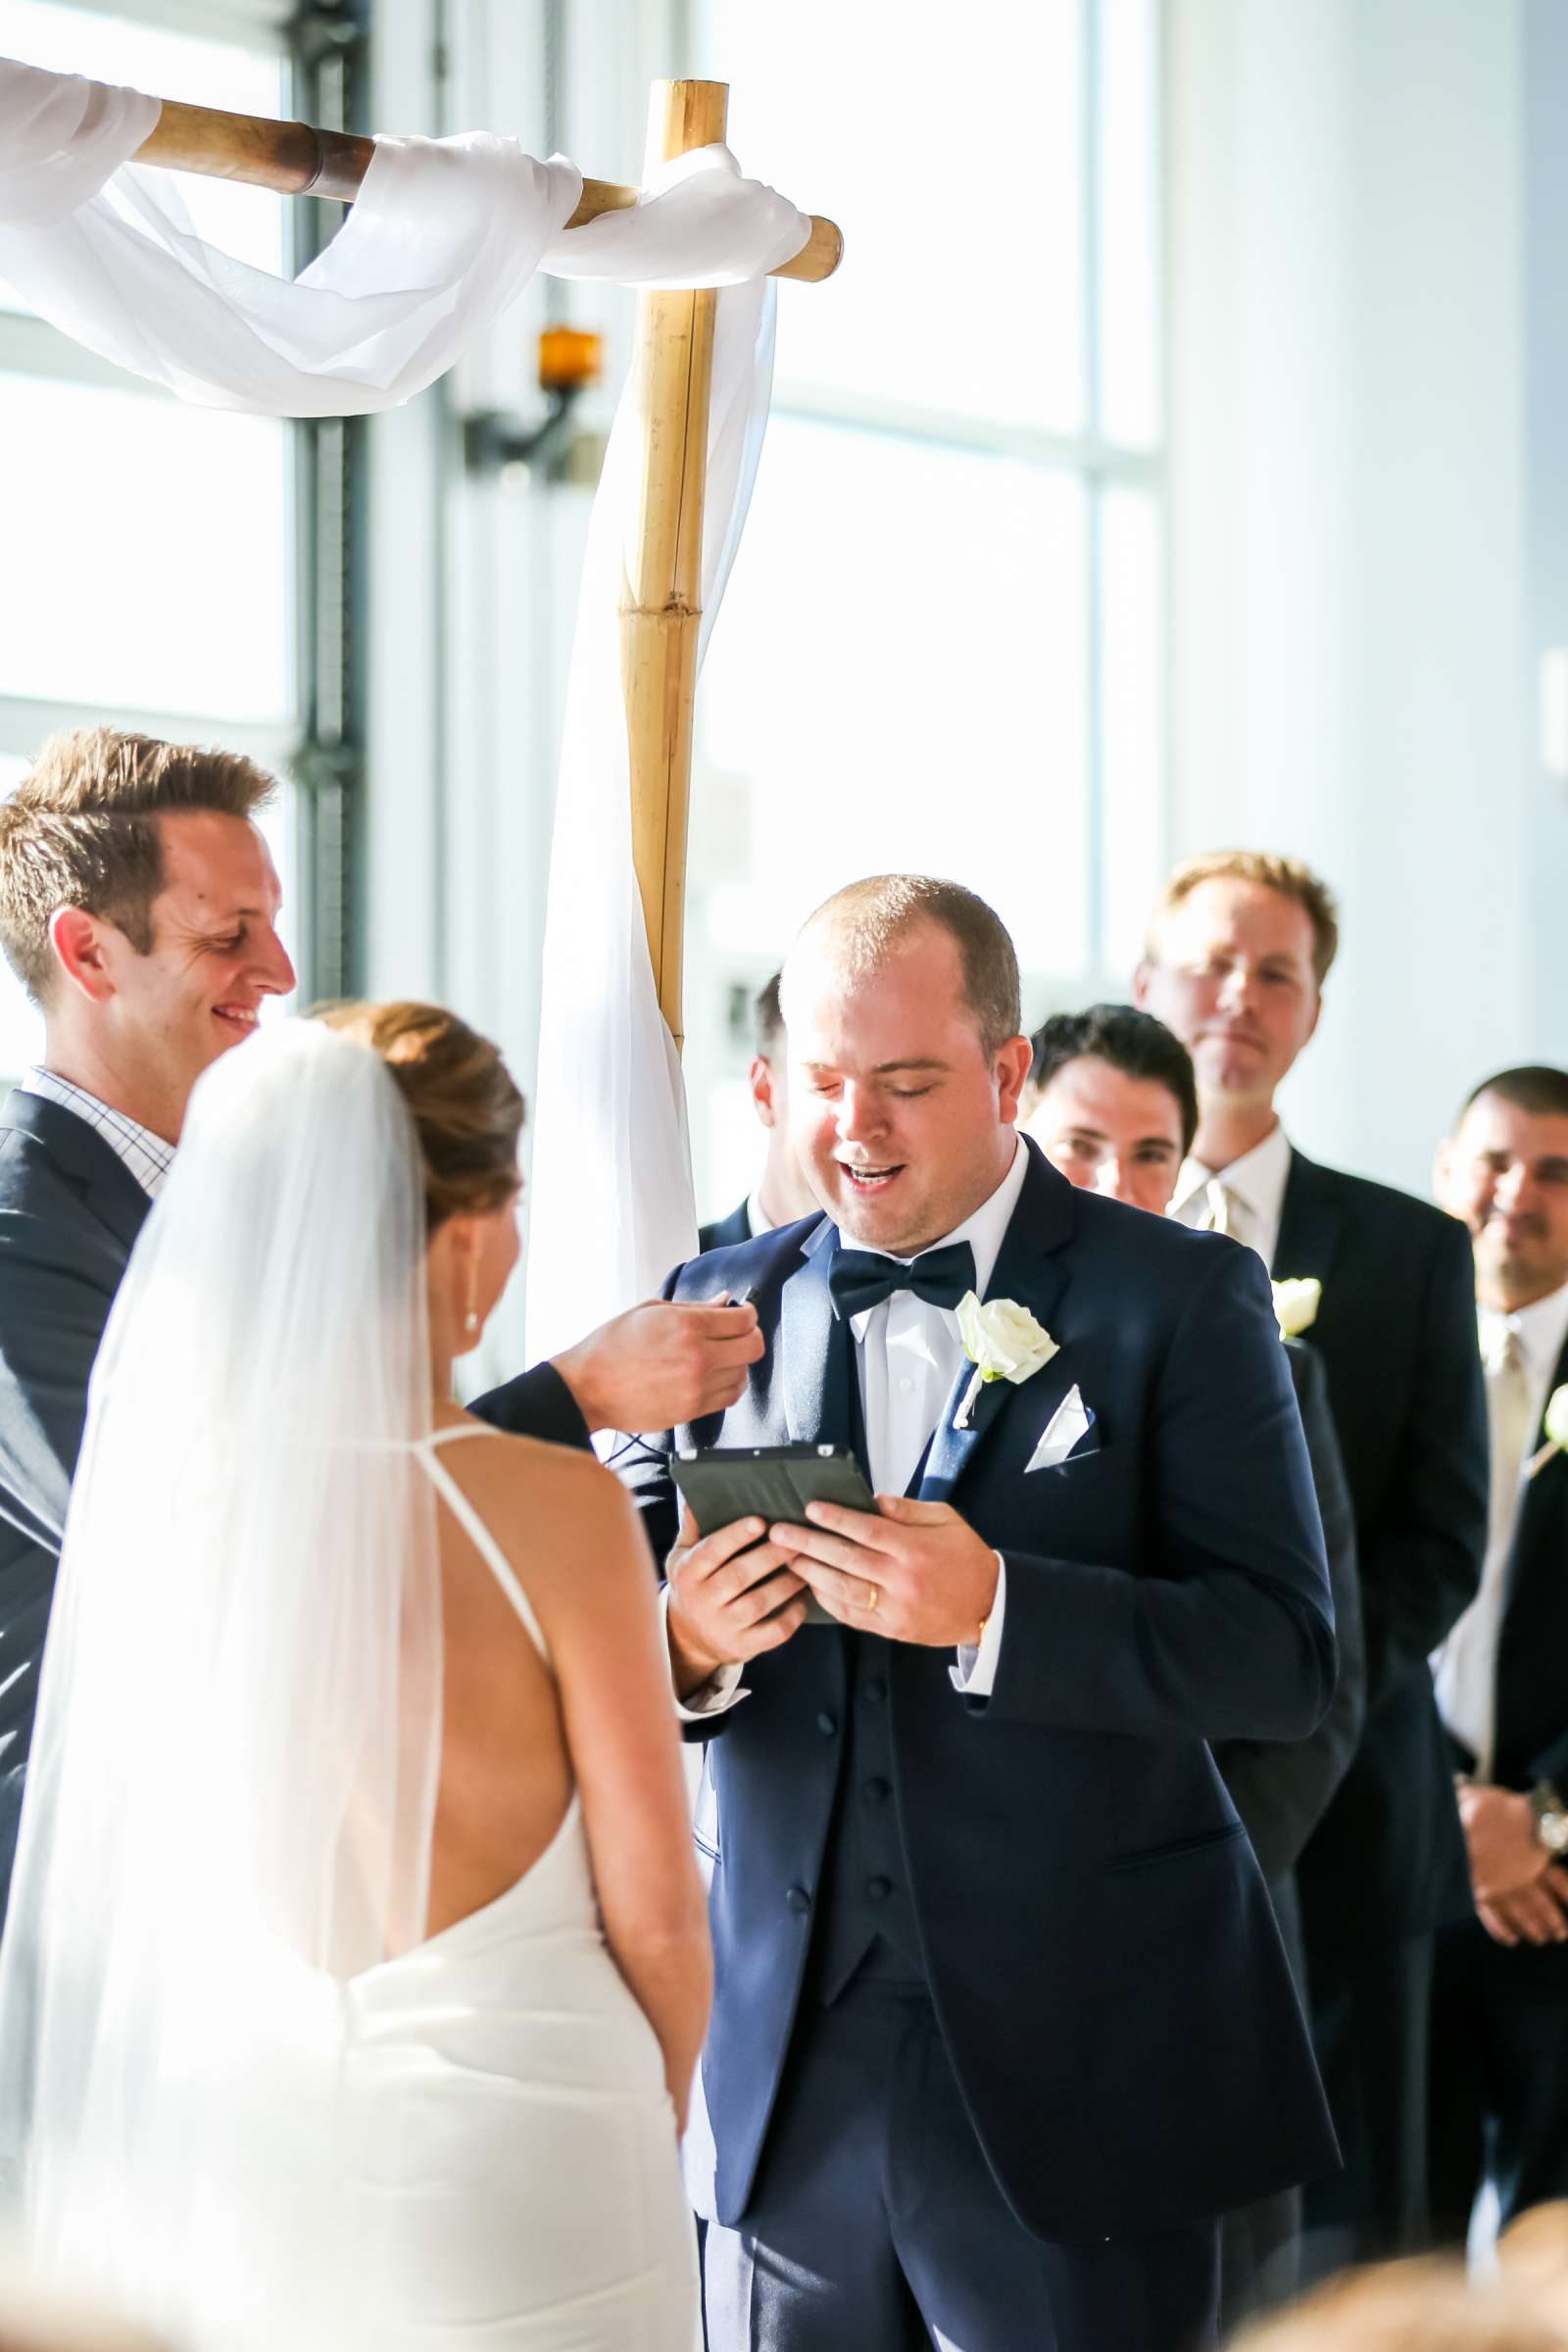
column 1510, row 1422
column 1223, row 1211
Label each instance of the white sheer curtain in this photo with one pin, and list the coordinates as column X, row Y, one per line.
column 611, row 1164
column 443, row 235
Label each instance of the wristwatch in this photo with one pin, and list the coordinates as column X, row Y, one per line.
column 1550, row 1816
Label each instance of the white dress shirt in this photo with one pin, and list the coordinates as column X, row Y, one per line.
column 1465, row 1666
column 1255, row 1187
column 148, row 1157
column 907, row 1355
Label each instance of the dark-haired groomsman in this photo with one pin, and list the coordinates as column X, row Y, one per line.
column 1500, row 2027
column 782, row 1194
column 1239, row 947
column 1112, row 1103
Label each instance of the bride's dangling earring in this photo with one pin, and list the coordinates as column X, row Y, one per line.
column 471, row 1321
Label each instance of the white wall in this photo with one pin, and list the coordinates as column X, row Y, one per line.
column 1353, row 642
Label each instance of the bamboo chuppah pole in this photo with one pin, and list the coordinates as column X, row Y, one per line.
column 294, row 159
column 660, row 606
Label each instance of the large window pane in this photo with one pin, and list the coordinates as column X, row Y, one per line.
column 897, row 682
column 1130, row 720
column 147, row 553
column 1127, row 205
column 246, row 222
column 949, row 145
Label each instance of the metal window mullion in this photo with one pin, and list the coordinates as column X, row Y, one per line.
column 326, row 47
column 1095, row 847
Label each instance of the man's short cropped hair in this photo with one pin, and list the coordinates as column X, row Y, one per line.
column 866, row 921
column 1130, row 1041
column 1287, row 875
column 1536, row 1088
column 767, row 1019
column 82, row 830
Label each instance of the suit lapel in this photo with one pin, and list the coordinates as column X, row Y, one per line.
column 1537, row 1528
column 1311, row 1223
column 816, row 1368
column 92, row 1167
column 1030, row 1270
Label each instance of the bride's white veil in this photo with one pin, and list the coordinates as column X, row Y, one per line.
column 231, row 1787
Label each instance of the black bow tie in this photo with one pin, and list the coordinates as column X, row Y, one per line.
column 859, row 1279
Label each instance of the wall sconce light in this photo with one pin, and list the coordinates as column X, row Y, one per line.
column 571, row 362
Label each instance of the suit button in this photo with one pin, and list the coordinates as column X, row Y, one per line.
column 875, row 1690
column 878, row 1890
column 827, row 1723
column 877, row 1791
column 797, row 1899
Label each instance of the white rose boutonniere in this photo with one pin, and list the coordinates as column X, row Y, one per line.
column 1295, row 1305
column 1004, row 1342
column 1557, row 1431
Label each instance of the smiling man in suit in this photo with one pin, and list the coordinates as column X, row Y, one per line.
column 1500, row 2025
column 1239, row 947
column 1002, row 2023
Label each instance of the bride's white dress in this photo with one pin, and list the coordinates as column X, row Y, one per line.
column 508, row 2145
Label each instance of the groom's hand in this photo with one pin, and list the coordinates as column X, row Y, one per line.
column 731, row 1596
column 916, row 1572
column 661, row 1364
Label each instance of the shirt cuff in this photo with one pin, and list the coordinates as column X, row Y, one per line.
column 721, row 1690
column 975, row 1673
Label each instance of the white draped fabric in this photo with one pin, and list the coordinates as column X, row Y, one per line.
column 612, row 1163
column 444, row 235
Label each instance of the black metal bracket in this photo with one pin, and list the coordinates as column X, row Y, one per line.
column 492, row 441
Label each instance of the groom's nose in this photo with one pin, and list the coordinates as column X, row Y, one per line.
column 859, row 1117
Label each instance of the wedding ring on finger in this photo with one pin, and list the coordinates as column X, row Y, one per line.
column 873, row 1596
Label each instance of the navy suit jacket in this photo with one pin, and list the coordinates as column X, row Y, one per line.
column 1281, row 1788
column 1530, row 1741
column 1396, row 1333
column 725, row 1232
column 1094, row 1927
column 69, row 1212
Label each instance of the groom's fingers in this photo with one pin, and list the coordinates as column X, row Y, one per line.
column 853, row 1598
column 831, row 1551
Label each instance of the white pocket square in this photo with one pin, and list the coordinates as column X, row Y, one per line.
column 1062, row 1433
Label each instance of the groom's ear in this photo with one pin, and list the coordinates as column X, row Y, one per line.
column 1011, row 1071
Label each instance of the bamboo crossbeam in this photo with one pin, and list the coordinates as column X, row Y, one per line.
column 294, row 159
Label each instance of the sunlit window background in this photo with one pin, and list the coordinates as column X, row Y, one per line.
column 941, row 649
column 149, row 572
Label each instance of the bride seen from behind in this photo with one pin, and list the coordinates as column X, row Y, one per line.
column 357, row 1963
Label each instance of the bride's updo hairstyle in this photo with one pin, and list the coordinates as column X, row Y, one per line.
column 466, row 1111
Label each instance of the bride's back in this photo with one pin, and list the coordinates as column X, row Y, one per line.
column 506, row 1776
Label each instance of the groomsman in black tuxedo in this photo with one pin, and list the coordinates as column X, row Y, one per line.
column 1238, row 951
column 782, row 1194
column 138, row 907
column 1112, row 1103
column 1002, row 2021
column 1499, row 2026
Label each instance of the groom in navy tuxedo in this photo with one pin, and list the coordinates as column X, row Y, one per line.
column 1002, row 2022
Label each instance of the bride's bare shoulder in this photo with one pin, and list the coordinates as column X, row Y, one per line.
column 536, row 1493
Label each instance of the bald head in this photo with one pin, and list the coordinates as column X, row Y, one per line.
column 856, row 932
